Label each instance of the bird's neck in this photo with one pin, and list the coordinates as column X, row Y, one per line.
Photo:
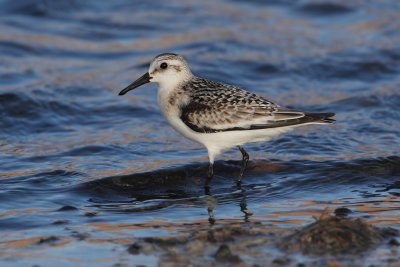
column 172, row 95
column 171, row 84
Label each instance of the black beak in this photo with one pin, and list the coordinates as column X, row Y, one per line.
column 142, row 80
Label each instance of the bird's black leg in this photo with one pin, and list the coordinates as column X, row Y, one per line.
column 210, row 175
column 244, row 164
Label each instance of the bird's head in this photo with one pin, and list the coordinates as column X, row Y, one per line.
column 166, row 69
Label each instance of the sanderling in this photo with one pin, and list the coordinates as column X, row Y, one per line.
column 217, row 115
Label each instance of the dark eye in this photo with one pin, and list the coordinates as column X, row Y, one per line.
column 164, row 65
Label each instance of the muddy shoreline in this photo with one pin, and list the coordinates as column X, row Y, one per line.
column 329, row 241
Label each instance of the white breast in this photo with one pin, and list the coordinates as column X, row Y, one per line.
column 170, row 102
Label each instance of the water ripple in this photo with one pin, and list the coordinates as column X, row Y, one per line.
column 75, row 155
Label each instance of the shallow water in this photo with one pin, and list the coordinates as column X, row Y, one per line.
column 93, row 169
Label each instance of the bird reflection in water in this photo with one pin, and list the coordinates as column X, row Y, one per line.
column 212, row 202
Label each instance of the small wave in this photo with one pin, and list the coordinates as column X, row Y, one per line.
column 187, row 181
column 37, row 112
column 17, row 49
column 268, row 2
column 365, row 67
column 368, row 102
column 93, row 150
column 268, row 69
column 324, row 9
column 358, row 70
column 41, row 8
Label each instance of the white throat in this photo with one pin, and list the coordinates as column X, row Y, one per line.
column 170, row 83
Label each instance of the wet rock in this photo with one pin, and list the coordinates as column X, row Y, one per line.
column 214, row 246
column 134, row 249
column 342, row 212
column 195, row 247
column 90, row 214
column 67, row 208
column 80, row 236
column 167, row 264
column 48, row 240
column 334, row 235
column 224, row 254
column 222, row 234
column 389, row 232
column 166, row 241
column 394, row 242
column 60, row 222
column 175, row 252
column 283, row 261
column 147, row 249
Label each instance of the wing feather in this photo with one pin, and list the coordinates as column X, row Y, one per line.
column 216, row 107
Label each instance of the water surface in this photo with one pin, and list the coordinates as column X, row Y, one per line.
column 91, row 169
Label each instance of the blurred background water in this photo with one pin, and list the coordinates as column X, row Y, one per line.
column 90, row 169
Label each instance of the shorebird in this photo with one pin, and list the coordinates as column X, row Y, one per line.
column 217, row 115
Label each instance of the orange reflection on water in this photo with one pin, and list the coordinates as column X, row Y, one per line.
column 384, row 211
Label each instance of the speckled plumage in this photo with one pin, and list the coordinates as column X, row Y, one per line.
column 217, row 115
column 217, row 107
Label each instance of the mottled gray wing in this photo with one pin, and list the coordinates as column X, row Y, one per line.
column 232, row 108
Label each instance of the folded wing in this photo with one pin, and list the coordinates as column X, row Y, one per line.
column 240, row 110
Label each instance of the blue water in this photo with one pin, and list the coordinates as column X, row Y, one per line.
column 76, row 158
